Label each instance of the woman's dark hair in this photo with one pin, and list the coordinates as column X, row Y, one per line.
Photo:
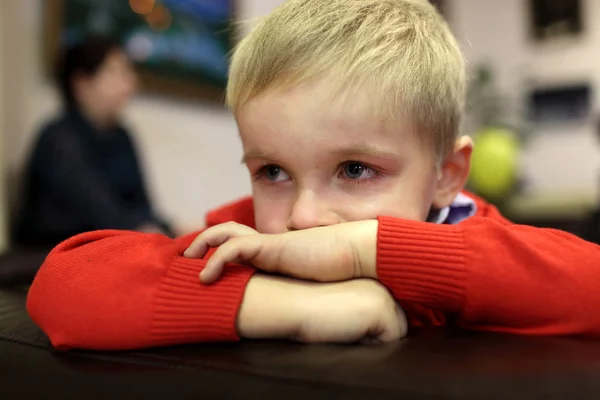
column 84, row 57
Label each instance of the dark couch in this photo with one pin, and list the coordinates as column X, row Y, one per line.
column 435, row 364
column 431, row 364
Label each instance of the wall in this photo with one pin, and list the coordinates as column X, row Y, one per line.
column 561, row 159
column 190, row 150
column 3, row 214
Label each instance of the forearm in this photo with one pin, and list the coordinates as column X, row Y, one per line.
column 341, row 312
column 493, row 276
column 271, row 307
column 111, row 290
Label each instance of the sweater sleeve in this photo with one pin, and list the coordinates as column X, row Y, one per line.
column 111, row 290
column 491, row 275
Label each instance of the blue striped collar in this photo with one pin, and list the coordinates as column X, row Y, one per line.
column 461, row 208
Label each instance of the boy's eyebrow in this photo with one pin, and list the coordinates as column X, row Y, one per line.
column 364, row 150
column 349, row 151
column 254, row 154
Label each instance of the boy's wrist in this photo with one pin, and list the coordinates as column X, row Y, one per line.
column 339, row 312
column 271, row 308
column 364, row 243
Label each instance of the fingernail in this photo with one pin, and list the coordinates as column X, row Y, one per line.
column 202, row 276
column 185, row 253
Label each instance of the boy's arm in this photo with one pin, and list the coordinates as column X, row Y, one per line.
column 111, row 290
column 493, row 275
column 122, row 290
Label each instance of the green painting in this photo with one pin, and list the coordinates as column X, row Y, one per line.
column 179, row 46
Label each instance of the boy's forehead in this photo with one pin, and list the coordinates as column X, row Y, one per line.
column 312, row 107
column 342, row 150
column 303, row 124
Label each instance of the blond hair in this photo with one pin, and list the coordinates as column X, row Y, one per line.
column 402, row 50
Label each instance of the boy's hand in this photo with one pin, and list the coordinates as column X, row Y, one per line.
column 325, row 254
column 341, row 312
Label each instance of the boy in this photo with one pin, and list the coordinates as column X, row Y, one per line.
column 349, row 115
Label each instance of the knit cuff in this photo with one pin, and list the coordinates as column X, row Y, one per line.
column 422, row 262
column 185, row 312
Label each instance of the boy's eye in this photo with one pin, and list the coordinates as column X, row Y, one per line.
column 356, row 171
column 275, row 173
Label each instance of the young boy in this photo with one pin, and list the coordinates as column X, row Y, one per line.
column 349, row 114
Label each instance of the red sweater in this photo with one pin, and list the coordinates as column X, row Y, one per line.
column 123, row 290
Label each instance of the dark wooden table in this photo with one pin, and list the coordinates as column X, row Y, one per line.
column 432, row 364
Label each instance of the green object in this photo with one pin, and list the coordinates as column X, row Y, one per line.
column 494, row 163
column 178, row 46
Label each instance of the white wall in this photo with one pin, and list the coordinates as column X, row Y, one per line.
column 557, row 160
column 190, row 150
column 3, row 220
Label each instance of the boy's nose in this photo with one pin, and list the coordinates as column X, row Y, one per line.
column 309, row 212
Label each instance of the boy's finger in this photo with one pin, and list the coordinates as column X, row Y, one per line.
column 204, row 241
column 216, row 236
column 232, row 251
column 211, row 273
column 238, row 249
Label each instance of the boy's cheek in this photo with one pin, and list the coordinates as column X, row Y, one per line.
column 270, row 217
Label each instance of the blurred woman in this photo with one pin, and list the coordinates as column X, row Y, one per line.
column 84, row 173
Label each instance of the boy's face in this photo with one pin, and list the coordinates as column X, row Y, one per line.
column 314, row 162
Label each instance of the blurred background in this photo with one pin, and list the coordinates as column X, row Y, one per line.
column 533, row 109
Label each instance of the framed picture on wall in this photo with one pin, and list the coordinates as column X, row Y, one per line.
column 560, row 104
column 554, row 19
column 180, row 47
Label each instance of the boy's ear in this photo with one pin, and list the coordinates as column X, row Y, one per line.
column 454, row 172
